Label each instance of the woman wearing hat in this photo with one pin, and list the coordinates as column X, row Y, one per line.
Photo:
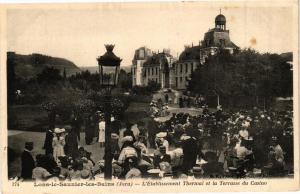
column 101, row 138
column 58, row 143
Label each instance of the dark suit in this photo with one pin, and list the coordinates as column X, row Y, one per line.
column 48, row 142
column 28, row 165
column 190, row 151
column 71, row 147
column 115, row 127
column 76, row 125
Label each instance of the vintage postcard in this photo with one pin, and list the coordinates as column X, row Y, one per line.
column 149, row 97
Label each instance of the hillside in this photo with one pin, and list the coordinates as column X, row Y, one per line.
column 28, row 66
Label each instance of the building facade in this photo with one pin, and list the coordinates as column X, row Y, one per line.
column 171, row 72
column 148, row 66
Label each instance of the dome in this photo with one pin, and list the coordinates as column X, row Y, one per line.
column 220, row 19
column 191, row 53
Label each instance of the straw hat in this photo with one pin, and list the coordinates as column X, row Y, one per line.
column 114, row 136
column 161, row 134
column 127, row 139
column 184, row 137
column 57, row 130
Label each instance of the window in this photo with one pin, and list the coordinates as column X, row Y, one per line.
column 142, row 54
column 156, row 79
column 192, row 67
column 186, row 68
column 156, row 70
column 148, row 71
column 180, row 79
column 176, row 81
column 152, row 70
column 181, row 68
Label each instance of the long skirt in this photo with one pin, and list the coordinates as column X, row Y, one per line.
column 58, row 151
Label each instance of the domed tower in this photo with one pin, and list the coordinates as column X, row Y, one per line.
column 220, row 22
column 216, row 39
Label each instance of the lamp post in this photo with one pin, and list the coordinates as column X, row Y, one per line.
column 109, row 67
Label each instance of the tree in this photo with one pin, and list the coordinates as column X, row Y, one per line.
column 65, row 74
column 247, row 75
column 11, row 78
column 125, row 80
column 49, row 75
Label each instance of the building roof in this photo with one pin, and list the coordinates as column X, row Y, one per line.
column 157, row 59
column 190, row 53
column 217, row 38
column 220, row 19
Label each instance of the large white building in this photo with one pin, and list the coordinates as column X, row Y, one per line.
column 174, row 73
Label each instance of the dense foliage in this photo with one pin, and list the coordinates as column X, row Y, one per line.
column 243, row 75
column 59, row 95
column 146, row 90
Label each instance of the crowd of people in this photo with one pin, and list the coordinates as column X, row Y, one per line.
column 213, row 144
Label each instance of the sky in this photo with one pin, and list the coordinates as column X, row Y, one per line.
column 78, row 33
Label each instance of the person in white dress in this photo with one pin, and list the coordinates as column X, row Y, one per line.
column 176, row 97
column 101, row 138
column 58, row 143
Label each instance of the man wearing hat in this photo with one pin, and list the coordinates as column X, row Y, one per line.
column 190, row 151
column 89, row 129
column 28, row 163
column 76, row 124
column 115, row 125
